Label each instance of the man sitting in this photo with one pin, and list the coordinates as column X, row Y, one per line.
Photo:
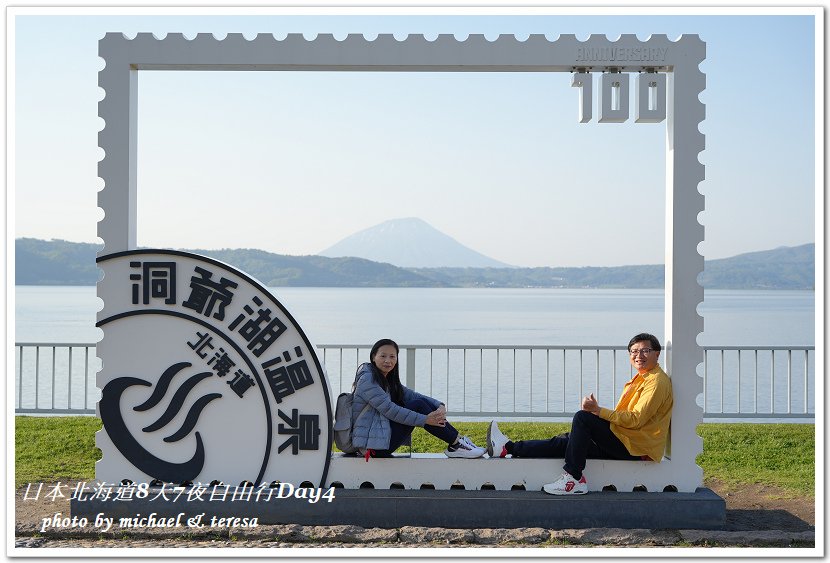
column 636, row 429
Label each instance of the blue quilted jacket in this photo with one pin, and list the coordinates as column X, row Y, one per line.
column 372, row 430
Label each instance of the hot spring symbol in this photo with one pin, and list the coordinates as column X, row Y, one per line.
column 198, row 390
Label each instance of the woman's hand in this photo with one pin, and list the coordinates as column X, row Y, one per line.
column 438, row 417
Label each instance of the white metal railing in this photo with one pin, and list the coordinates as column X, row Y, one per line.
column 482, row 382
column 55, row 378
column 759, row 382
column 548, row 382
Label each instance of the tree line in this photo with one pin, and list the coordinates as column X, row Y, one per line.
column 60, row 262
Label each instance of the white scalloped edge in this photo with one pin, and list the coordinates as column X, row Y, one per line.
column 326, row 51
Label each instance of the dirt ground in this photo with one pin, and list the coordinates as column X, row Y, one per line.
column 748, row 507
column 761, row 507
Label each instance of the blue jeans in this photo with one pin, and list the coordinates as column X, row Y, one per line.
column 590, row 437
column 400, row 431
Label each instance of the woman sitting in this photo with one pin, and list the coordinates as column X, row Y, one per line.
column 385, row 412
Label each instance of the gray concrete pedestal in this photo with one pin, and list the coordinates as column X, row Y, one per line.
column 374, row 508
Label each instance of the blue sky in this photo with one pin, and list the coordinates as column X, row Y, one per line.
column 294, row 162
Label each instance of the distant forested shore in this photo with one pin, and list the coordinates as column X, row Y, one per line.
column 60, row 262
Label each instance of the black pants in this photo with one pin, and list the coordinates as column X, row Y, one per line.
column 590, row 437
column 400, row 431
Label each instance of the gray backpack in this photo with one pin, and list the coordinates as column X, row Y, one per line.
column 343, row 422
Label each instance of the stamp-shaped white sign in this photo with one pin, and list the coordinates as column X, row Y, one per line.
column 206, row 377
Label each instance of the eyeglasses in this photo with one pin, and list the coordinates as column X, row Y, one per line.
column 640, row 352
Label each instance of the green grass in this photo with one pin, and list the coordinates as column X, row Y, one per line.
column 779, row 454
column 782, row 455
column 55, row 448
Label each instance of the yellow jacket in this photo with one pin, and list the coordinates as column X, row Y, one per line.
column 643, row 413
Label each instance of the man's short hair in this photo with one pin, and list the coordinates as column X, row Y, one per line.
column 655, row 344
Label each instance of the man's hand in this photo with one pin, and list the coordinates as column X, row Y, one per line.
column 590, row 404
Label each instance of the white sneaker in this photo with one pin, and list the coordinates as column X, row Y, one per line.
column 496, row 441
column 464, row 448
column 567, row 485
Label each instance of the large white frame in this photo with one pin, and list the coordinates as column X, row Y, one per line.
column 678, row 60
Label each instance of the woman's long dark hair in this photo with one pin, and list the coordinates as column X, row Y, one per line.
column 392, row 382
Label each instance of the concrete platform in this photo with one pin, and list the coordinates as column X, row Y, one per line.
column 373, row 508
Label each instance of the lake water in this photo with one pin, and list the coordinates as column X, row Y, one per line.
column 469, row 316
column 489, row 317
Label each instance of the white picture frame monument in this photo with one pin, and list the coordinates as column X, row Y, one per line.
column 139, row 310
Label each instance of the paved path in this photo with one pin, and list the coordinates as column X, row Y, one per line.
column 295, row 536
